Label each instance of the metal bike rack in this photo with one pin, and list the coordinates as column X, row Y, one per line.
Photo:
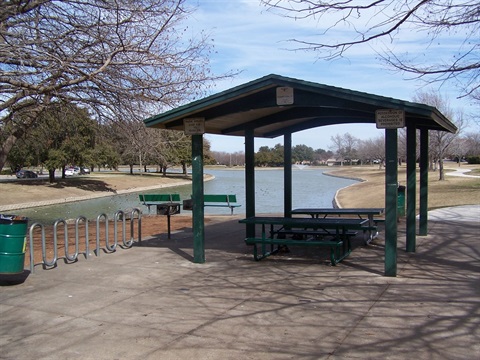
column 135, row 217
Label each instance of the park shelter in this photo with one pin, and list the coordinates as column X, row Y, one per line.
column 274, row 106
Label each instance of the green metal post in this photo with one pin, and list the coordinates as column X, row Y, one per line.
column 287, row 174
column 391, row 184
column 423, row 225
column 250, row 180
column 197, row 197
column 411, row 188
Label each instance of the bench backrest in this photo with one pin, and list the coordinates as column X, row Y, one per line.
column 220, row 198
column 159, row 197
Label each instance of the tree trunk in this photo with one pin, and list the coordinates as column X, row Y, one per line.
column 51, row 176
column 131, row 169
column 5, row 149
column 440, row 170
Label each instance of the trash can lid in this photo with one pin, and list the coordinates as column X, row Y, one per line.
column 6, row 219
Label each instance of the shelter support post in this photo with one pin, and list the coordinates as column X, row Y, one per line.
column 411, row 188
column 250, row 180
column 391, row 191
column 198, row 213
column 423, row 224
column 287, row 174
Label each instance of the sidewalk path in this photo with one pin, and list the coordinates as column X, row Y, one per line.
column 460, row 172
column 466, row 213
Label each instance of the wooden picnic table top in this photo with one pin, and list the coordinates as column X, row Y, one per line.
column 338, row 211
column 305, row 222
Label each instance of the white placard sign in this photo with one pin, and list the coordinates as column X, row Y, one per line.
column 194, row 126
column 284, row 96
column 390, row 119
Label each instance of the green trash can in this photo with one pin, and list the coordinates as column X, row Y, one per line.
column 401, row 200
column 13, row 241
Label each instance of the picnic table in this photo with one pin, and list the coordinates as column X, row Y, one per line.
column 336, row 229
column 369, row 230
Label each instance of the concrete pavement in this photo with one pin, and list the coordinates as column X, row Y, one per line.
column 153, row 302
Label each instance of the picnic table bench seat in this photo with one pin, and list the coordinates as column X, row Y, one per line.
column 319, row 233
column 335, row 245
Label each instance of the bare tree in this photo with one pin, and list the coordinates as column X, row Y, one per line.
column 473, row 143
column 373, row 150
column 440, row 141
column 458, row 149
column 119, row 59
column 345, row 146
column 381, row 23
column 236, row 158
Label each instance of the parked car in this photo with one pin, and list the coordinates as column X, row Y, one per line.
column 69, row 172
column 24, row 174
column 84, row 170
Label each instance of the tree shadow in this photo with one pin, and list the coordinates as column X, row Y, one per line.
column 90, row 184
column 83, row 184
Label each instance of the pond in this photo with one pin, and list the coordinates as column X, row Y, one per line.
column 311, row 188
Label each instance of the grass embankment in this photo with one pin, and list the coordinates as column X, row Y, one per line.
column 453, row 191
column 75, row 187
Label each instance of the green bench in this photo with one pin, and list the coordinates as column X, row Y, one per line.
column 217, row 200
column 337, row 251
column 158, row 199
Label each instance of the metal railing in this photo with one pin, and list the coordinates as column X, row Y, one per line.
column 134, row 217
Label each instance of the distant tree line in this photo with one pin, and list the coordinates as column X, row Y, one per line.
column 66, row 135
column 349, row 150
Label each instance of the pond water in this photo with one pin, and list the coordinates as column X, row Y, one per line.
column 311, row 188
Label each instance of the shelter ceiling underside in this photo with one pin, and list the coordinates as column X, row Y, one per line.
column 275, row 121
column 255, row 107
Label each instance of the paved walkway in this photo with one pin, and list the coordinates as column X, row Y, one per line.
column 153, row 302
column 460, row 172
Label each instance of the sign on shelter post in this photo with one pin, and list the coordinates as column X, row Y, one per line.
column 390, row 119
column 194, row 126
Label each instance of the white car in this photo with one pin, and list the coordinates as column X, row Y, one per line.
column 69, row 172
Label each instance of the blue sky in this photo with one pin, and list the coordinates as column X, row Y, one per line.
column 249, row 39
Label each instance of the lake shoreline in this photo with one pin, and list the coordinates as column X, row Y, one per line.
column 62, row 197
column 70, row 199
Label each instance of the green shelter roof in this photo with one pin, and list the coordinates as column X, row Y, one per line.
column 275, row 105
